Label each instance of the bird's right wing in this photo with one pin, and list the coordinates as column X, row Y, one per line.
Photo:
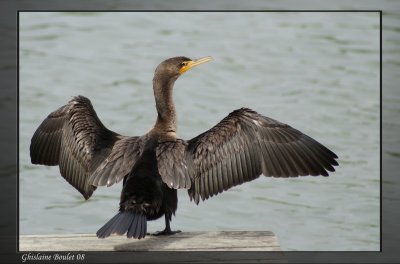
column 88, row 154
column 245, row 145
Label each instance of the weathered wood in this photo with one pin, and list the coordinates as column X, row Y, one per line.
column 185, row 241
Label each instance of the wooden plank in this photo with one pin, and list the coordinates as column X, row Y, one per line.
column 185, row 241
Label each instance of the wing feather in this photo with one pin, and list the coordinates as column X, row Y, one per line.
column 173, row 164
column 245, row 145
column 74, row 138
column 220, row 179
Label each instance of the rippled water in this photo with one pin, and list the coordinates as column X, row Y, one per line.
column 318, row 72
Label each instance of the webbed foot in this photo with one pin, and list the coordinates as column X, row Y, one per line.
column 166, row 232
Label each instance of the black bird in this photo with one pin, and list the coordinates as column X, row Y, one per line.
column 153, row 166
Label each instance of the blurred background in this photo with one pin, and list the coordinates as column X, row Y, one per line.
column 318, row 72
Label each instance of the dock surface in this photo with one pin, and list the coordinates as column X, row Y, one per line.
column 184, row 241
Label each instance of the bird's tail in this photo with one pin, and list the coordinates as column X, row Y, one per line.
column 130, row 222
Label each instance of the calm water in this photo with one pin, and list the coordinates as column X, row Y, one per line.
column 318, row 72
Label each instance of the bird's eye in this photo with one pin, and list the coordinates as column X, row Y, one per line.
column 184, row 63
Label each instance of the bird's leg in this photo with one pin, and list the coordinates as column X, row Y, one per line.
column 167, row 230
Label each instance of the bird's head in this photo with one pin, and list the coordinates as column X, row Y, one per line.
column 174, row 67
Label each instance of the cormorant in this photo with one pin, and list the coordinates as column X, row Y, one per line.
column 153, row 166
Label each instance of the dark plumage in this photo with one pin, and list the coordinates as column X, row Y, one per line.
column 238, row 149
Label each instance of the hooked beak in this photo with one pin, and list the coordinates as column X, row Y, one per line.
column 191, row 64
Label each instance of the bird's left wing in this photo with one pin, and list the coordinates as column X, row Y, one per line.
column 123, row 156
column 88, row 154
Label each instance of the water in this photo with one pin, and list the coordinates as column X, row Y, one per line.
column 318, row 72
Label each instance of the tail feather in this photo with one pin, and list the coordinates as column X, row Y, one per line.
column 132, row 228
column 134, row 224
column 136, row 228
column 144, row 226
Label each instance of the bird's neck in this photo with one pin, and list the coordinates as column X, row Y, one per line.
column 166, row 119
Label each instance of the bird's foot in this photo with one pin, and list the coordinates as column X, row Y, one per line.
column 165, row 232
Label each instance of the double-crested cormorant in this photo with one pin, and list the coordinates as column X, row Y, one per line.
column 238, row 149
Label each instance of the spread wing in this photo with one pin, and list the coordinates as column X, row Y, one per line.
column 74, row 138
column 245, row 145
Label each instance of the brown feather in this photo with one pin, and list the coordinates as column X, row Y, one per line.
column 74, row 138
column 244, row 145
